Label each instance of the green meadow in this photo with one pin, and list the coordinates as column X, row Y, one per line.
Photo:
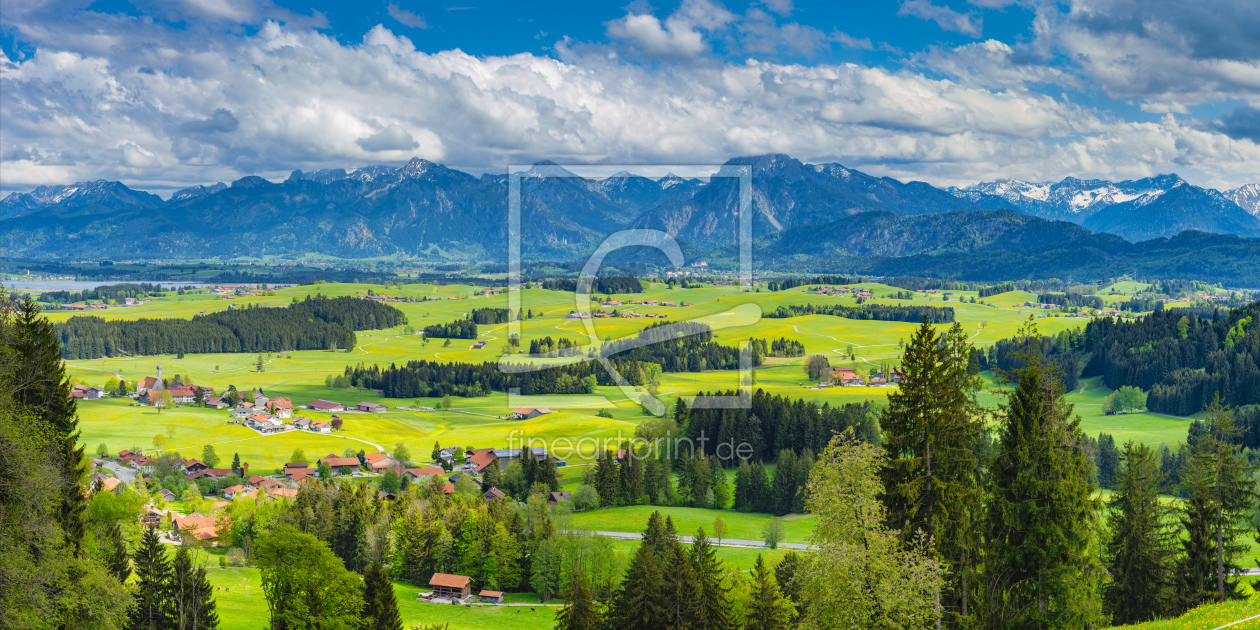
column 301, row 375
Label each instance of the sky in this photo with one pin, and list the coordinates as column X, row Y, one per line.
column 163, row 94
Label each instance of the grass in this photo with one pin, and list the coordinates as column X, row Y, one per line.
column 1210, row 616
column 740, row 525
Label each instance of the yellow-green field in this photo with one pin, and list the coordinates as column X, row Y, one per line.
column 301, row 375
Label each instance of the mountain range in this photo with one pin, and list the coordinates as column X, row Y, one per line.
column 427, row 210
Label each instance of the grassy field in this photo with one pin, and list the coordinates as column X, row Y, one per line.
column 797, row 527
column 301, row 375
column 1209, row 617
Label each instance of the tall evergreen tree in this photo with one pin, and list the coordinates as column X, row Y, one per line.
column 743, row 479
column 1218, row 468
column 713, row 610
column 380, row 609
column 236, row 464
column 117, row 558
column 1041, row 564
column 192, row 597
column 768, row 609
column 930, row 429
column 784, row 487
column 580, row 611
column 1195, row 578
column 1140, row 551
column 40, row 387
column 758, row 488
column 154, row 609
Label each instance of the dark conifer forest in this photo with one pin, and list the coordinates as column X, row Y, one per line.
column 312, row 324
column 880, row 312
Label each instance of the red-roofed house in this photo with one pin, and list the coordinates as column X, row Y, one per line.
column 422, row 473
column 339, row 462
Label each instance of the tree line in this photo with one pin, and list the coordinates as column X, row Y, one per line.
column 1078, row 300
column 792, row 283
column 607, row 285
column 784, row 347
column 880, row 312
column 683, row 347
column 106, row 292
column 483, row 316
column 1182, row 359
column 312, row 324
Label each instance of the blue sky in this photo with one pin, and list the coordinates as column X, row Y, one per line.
column 166, row 93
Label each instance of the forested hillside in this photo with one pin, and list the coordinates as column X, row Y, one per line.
column 313, row 324
column 1183, row 358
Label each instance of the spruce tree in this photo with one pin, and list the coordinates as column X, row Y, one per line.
column 1218, row 470
column 1195, row 578
column 380, row 609
column 437, row 452
column 580, row 611
column 758, row 488
column 767, row 608
column 783, row 489
column 236, row 463
column 743, row 478
column 713, row 609
column 930, row 428
column 638, row 604
column 154, row 609
column 192, row 597
column 41, row 387
column 117, row 558
column 1041, row 567
column 1140, row 551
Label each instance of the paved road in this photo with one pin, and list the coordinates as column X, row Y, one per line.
column 125, row 474
column 726, row 542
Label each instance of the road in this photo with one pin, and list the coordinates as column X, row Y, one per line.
column 125, row 474
column 726, row 542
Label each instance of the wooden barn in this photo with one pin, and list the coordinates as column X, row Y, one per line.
column 447, row 586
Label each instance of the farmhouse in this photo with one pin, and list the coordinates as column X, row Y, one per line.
column 321, row 426
column 492, row 494
column 325, row 405
column 529, row 413
column 215, row 402
column 339, row 462
column 370, row 407
column 556, row 497
column 482, row 457
column 446, row 586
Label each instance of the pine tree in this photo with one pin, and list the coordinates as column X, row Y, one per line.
column 930, row 428
column 437, row 452
column 192, row 597
column 117, row 558
column 1195, row 578
column 1140, row 551
column 743, row 478
column 1218, row 469
column 767, row 608
column 1041, row 567
column 638, row 602
column 713, row 611
column 154, row 610
column 41, row 387
column 758, row 489
column 784, row 487
column 679, row 590
column 490, row 478
column 380, row 609
column 580, row 611
column 236, row 464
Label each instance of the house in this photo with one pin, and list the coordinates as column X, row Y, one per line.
column 243, row 410
column 279, row 403
column 281, row 493
column 447, row 454
column 212, row 473
column 492, row 494
column 81, row 395
column 423, row 473
column 491, row 597
column 301, row 422
column 289, row 465
column 325, row 405
column 269, row 484
column 446, row 586
column 254, row 481
column 320, row 426
column 215, row 402
column 230, row 492
column 557, row 497
column 529, row 413
column 193, row 466
column 339, row 462
column 298, row 474
column 370, row 407
column 380, row 462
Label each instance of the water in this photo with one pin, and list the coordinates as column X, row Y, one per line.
column 80, row 285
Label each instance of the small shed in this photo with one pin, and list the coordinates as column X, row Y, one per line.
column 448, row 586
column 492, row 597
